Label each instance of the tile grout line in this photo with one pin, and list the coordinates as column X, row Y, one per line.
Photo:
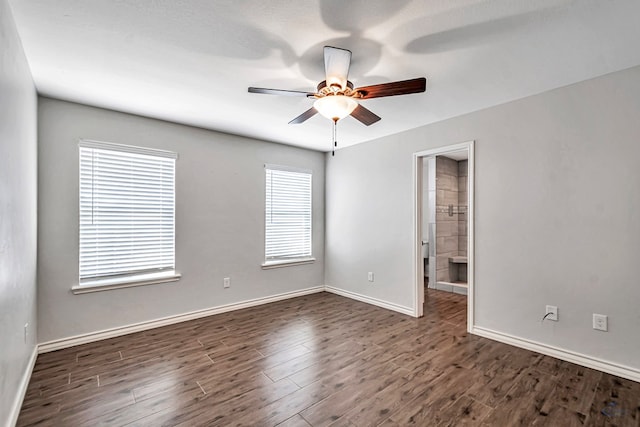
column 592, row 400
column 271, row 379
column 301, row 416
column 298, row 385
column 204, row 392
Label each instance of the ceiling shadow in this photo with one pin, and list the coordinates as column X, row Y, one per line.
column 353, row 17
column 471, row 35
column 356, row 16
column 496, row 24
column 216, row 31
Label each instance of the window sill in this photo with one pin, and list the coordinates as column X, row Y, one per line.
column 100, row 285
column 268, row 265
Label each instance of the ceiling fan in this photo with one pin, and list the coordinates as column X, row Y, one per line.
column 335, row 97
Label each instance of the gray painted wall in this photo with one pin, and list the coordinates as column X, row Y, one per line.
column 18, row 213
column 557, row 209
column 219, row 220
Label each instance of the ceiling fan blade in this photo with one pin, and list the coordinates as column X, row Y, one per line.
column 280, row 92
column 336, row 66
column 364, row 115
column 304, row 116
column 403, row 87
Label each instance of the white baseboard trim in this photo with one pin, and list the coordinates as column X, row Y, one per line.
column 22, row 389
column 170, row 320
column 370, row 300
column 560, row 353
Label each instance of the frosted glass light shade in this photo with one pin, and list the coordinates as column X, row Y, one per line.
column 335, row 107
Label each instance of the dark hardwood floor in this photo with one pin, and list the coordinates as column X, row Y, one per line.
column 321, row 360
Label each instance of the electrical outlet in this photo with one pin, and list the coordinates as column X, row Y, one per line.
column 600, row 322
column 370, row 276
column 227, row 282
column 551, row 313
column 26, row 332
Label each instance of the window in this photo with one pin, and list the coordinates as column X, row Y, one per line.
column 127, row 213
column 288, row 216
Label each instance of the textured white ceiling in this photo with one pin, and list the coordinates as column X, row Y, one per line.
column 191, row 61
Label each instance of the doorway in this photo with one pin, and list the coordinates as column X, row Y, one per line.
column 444, row 184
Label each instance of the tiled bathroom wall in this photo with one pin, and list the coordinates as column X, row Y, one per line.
column 462, row 207
column 446, row 216
column 451, row 218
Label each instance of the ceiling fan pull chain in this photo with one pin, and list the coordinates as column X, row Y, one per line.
column 335, row 137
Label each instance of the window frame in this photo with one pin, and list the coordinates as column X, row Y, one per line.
column 132, row 278
column 270, row 263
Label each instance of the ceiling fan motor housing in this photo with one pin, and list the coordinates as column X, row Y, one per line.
column 334, row 89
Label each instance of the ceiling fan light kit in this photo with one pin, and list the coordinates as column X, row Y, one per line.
column 335, row 107
column 336, row 98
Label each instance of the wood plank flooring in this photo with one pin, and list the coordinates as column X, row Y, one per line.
column 321, row 360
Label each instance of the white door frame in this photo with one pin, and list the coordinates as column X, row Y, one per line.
column 418, row 261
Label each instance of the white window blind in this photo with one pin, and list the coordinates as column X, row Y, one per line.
column 288, row 213
column 127, row 210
